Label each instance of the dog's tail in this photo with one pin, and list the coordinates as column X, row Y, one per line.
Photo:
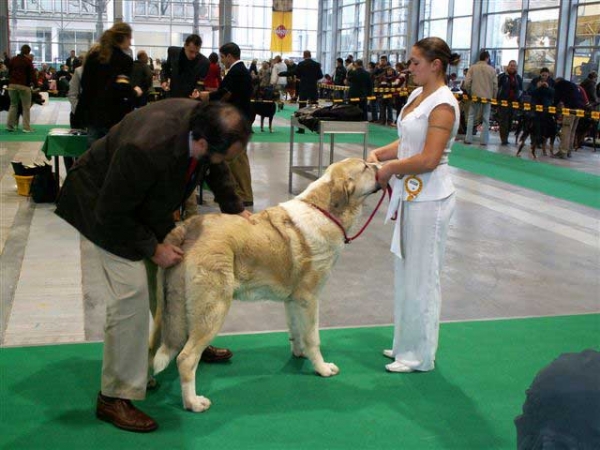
column 163, row 357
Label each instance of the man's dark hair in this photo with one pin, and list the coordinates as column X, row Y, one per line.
column 340, row 60
column 306, row 54
column 592, row 75
column 358, row 63
column 221, row 124
column 25, row 49
column 484, row 55
column 213, row 58
column 544, row 69
column 194, row 39
column 231, row 48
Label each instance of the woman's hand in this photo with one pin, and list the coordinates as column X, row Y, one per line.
column 372, row 157
column 384, row 174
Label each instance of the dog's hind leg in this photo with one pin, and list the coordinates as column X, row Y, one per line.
column 305, row 317
column 204, row 323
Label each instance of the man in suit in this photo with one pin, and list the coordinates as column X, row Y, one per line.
column 309, row 72
column 72, row 62
column 121, row 195
column 185, row 68
column 236, row 88
column 361, row 86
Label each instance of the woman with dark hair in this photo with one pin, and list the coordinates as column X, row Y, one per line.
column 423, row 200
column 106, row 92
column 213, row 77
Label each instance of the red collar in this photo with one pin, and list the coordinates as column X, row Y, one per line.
column 336, row 221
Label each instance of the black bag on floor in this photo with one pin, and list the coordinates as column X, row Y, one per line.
column 43, row 185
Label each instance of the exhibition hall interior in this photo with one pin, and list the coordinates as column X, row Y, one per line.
column 508, row 288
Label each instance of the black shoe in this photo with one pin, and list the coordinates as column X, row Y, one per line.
column 300, row 131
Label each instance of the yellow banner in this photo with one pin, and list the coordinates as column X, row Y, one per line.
column 281, row 32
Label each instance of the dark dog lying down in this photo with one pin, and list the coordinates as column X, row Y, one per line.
column 36, row 99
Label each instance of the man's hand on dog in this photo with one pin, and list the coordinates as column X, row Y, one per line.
column 167, row 255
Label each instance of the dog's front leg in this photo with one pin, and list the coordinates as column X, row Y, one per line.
column 305, row 316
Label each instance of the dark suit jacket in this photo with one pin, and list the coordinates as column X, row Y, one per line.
column 236, row 88
column 183, row 82
column 122, row 192
column 104, row 100
column 360, row 83
column 309, row 72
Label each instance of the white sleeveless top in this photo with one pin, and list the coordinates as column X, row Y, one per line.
column 412, row 131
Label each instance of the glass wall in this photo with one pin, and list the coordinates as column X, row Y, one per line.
column 586, row 50
column 55, row 27
column 451, row 21
column 388, row 30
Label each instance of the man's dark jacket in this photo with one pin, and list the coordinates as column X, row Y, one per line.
column 121, row 194
column 359, row 81
column 20, row 70
column 106, row 93
column 183, row 79
column 236, row 88
column 309, row 72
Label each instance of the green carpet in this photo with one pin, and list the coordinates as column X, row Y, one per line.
column 265, row 399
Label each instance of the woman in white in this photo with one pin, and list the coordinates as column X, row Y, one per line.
column 423, row 200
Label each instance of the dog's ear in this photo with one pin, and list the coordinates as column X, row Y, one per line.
column 341, row 190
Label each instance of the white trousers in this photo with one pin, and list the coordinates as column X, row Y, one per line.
column 418, row 298
column 130, row 294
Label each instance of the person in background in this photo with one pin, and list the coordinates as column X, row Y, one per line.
column 185, row 68
column 567, row 95
column 423, row 200
column 73, row 96
column 541, row 92
column 21, row 77
column 72, row 62
column 339, row 77
column 589, row 86
column 236, row 88
column 481, row 82
column 510, row 88
column 308, row 72
column 106, row 90
column 141, row 76
column 279, row 82
column 360, row 86
column 213, row 77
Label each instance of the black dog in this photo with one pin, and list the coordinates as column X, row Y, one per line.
column 265, row 105
column 540, row 129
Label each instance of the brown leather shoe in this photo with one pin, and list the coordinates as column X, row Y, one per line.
column 214, row 354
column 122, row 414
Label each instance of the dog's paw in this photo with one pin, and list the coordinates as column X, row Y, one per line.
column 197, row 404
column 298, row 353
column 327, row 369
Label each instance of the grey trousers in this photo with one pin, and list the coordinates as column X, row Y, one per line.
column 129, row 290
column 19, row 94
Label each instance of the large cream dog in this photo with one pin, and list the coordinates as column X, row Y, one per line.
column 287, row 255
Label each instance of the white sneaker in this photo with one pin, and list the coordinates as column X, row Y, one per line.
column 28, row 131
column 398, row 367
column 388, row 353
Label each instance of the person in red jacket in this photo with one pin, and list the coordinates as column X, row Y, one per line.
column 213, row 77
column 20, row 78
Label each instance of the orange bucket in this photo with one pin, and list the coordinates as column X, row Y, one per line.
column 23, row 184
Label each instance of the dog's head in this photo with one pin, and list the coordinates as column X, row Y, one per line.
column 344, row 187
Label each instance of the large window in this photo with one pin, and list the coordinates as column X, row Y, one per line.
column 389, row 30
column 541, row 41
column 586, row 53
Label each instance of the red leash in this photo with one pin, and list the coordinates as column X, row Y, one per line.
column 335, row 220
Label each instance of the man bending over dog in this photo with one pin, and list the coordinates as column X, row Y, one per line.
column 121, row 195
